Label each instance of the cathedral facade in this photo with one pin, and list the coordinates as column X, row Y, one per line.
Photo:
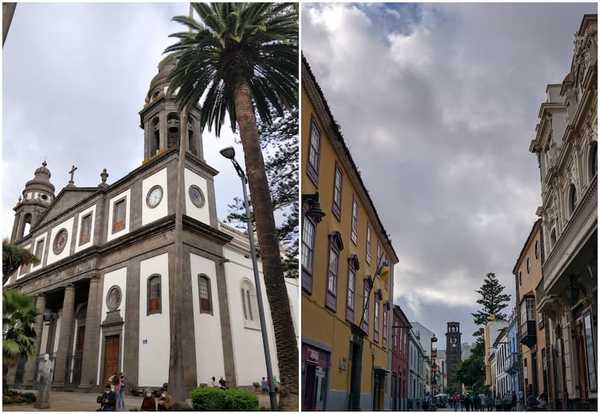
column 103, row 286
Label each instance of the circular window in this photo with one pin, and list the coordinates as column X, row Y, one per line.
column 60, row 241
column 154, row 196
column 44, row 197
column 197, row 196
column 113, row 298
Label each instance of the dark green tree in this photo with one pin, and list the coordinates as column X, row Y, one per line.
column 18, row 334
column 279, row 142
column 14, row 256
column 471, row 371
column 492, row 301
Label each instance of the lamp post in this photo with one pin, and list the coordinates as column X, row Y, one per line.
column 229, row 153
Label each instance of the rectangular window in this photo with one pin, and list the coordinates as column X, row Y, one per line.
column 336, row 207
column 354, row 235
column 369, row 244
column 205, row 294
column 385, row 326
column 308, row 246
column 365, row 325
column 39, row 250
column 314, row 153
column 119, row 216
column 350, row 294
column 376, row 321
column 332, row 270
column 86, row 229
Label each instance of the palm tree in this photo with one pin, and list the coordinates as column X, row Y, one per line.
column 243, row 58
column 14, row 256
column 18, row 334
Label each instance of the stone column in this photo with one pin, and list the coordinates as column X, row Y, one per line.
column 66, row 335
column 40, row 307
column 89, row 359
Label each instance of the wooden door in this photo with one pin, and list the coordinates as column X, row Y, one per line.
column 111, row 356
column 310, row 388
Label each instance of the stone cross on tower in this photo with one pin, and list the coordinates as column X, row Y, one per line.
column 72, row 172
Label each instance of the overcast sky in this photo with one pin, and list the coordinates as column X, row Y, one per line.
column 75, row 77
column 438, row 104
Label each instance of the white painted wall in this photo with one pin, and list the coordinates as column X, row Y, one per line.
column 155, row 339
column 201, row 214
column 207, row 327
column 110, row 235
column 118, row 278
column 84, row 213
column 247, row 339
column 35, row 243
column 161, row 210
column 68, row 225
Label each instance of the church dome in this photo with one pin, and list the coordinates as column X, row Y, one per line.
column 161, row 80
column 41, row 179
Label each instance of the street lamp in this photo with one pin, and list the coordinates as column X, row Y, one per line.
column 229, row 153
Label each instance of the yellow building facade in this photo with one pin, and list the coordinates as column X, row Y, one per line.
column 347, row 271
column 528, row 277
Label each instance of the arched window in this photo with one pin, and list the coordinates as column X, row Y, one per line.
column 156, row 136
column 204, row 293
column 572, row 198
column 26, row 225
column 172, row 129
column 593, row 160
column 249, row 304
column 154, row 295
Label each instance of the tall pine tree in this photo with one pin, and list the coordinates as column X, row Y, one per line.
column 492, row 301
column 279, row 143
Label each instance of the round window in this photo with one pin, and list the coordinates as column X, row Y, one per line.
column 154, row 196
column 197, row 196
column 113, row 298
column 60, row 241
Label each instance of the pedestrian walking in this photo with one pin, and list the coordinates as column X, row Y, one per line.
column 264, row 386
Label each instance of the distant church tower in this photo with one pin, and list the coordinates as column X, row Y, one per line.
column 36, row 198
column 159, row 118
column 453, row 355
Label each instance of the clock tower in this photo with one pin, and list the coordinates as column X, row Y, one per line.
column 453, row 355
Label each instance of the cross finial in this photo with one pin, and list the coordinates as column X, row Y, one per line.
column 72, row 172
column 44, row 163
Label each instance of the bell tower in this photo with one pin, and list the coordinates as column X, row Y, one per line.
column 159, row 118
column 33, row 203
column 453, row 355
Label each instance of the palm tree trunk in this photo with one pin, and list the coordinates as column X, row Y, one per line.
column 285, row 337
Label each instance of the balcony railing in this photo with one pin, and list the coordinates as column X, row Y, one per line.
column 512, row 363
column 528, row 333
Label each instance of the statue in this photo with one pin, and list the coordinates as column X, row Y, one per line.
column 45, row 371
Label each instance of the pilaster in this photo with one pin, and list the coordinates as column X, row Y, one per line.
column 225, row 325
column 66, row 335
column 89, row 362
column 30, row 366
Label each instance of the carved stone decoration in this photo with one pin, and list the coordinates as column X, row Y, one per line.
column 113, row 298
column 60, row 241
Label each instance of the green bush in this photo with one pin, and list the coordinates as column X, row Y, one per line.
column 15, row 397
column 216, row 399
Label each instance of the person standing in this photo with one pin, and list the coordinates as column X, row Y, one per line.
column 120, row 392
column 108, row 400
column 148, row 403
column 264, row 386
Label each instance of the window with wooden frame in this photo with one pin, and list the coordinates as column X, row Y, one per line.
column 204, row 292
column 336, row 206
column 369, row 243
column 335, row 247
column 314, row 147
column 154, row 295
column 119, row 213
column 39, row 250
column 366, row 304
column 353, row 266
column 385, row 324
column 86, row 229
column 376, row 319
column 354, row 229
column 307, row 252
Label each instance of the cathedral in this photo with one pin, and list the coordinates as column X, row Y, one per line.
column 102, row 287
